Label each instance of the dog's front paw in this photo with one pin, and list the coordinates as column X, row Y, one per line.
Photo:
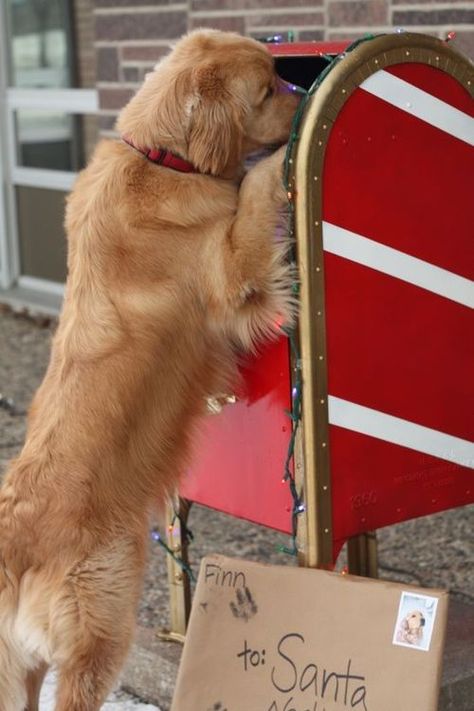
column 270, row 171
column 275, row 162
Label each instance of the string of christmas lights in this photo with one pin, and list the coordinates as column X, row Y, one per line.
column 158, row 538
column 295, row 416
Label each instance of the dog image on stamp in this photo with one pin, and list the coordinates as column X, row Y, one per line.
column 415, row 621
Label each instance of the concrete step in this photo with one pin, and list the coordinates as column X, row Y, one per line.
column 151, row 669
column 457, row 691
column 153, row 665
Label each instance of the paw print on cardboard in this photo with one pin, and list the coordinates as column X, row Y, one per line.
column 245, row 607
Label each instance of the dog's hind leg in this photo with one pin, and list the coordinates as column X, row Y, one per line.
column 85, row 682
column 93, row 625
column 12, row 683
column 12, row 671
column 34, row 682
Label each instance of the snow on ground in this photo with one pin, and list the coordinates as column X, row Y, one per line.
column 118, row 701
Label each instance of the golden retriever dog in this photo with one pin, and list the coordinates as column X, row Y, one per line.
column 173, row 269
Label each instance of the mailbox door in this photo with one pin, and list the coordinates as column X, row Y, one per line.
column 390, row 184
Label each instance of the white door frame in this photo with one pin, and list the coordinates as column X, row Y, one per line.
column 9, row 252
column 70, row 101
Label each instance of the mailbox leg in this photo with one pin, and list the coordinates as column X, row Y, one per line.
column 178, row 580
column 362, row 555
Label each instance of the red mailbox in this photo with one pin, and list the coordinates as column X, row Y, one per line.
column 382, row 183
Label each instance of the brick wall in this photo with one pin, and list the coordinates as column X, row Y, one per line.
column 83, row 24
column 132, row 34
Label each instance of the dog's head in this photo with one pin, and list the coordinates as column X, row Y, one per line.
column 213, row 99
column 415, row 621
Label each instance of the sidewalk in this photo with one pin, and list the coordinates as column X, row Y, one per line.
column 118, row 701
column 435, row 551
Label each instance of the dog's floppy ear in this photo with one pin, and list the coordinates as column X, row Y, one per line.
column 215, row 122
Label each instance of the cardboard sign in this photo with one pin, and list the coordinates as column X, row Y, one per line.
column 268, row 638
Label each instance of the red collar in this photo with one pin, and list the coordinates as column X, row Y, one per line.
column 163, row 157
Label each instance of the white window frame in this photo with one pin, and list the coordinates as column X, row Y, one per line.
column 68, row 101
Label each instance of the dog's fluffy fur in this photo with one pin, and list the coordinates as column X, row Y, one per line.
column 169, row 274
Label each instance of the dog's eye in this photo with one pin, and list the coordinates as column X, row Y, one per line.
column 270, row 92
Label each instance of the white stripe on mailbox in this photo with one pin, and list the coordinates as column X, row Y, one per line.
column 419, row 103
column 363, row 250
column 388, row 428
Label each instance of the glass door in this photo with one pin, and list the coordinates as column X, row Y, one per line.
column 49, row 129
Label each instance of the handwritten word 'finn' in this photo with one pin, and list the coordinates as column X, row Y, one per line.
column 215, row 575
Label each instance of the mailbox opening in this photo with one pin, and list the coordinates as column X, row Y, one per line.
column 301, row 70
